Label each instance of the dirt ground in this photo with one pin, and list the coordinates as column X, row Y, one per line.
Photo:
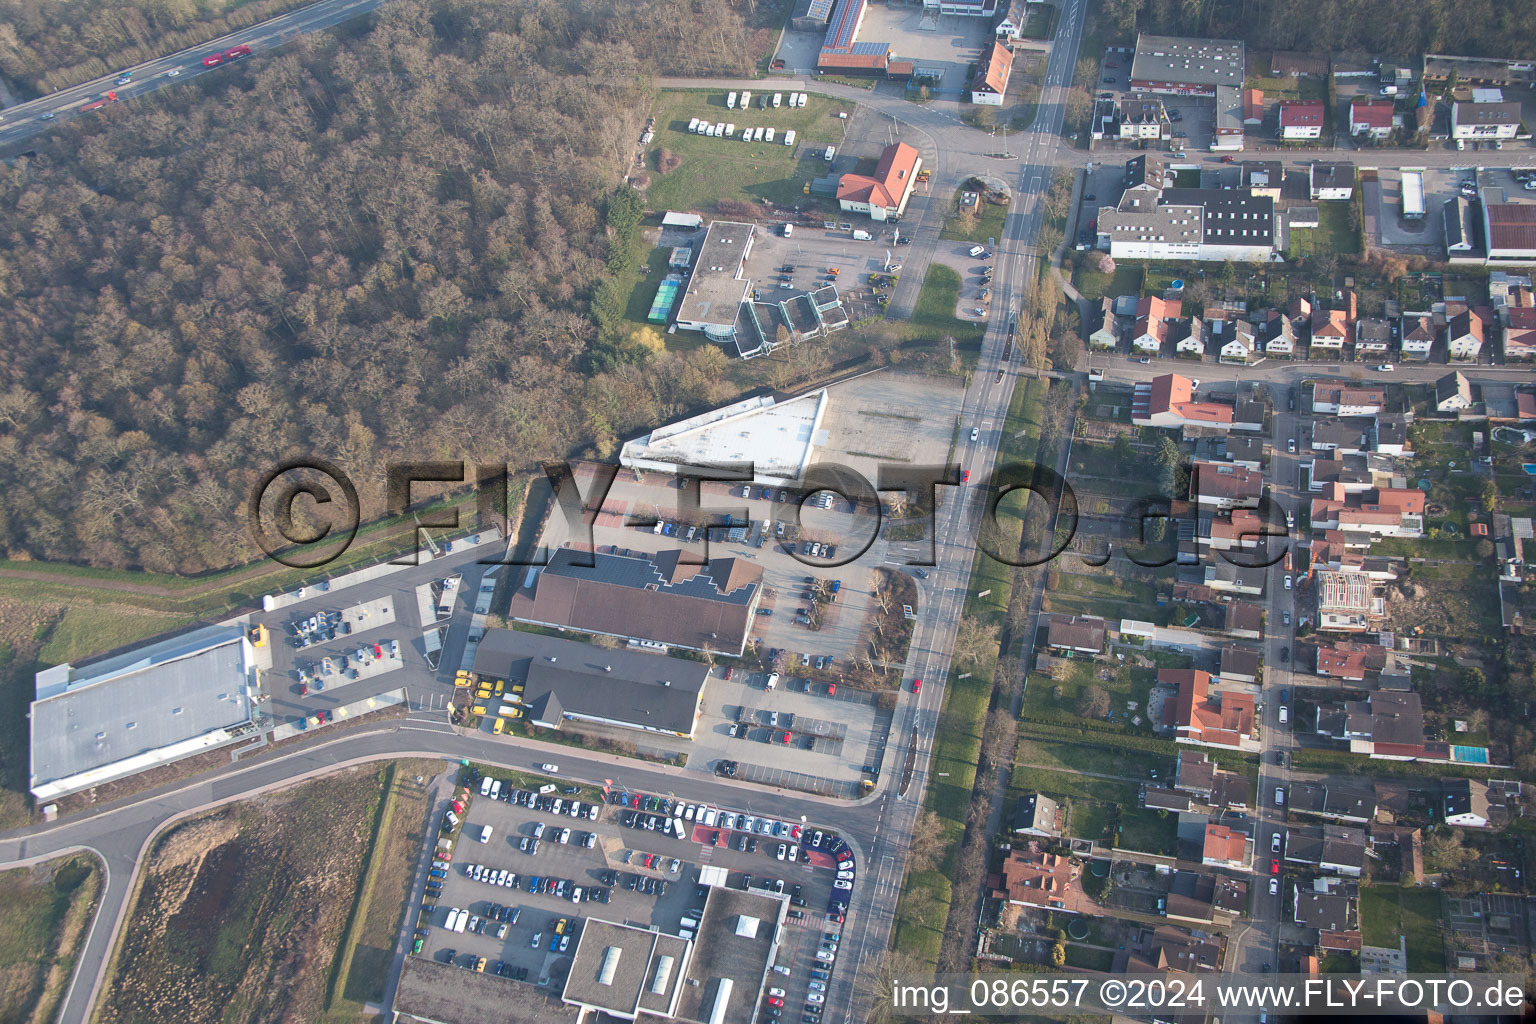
column 239, row 913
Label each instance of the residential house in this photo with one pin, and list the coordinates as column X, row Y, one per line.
column 1348, row 602
column 1386, row 512
column 1224, row 577
column 1373, row 338
column 1350, row 661
column 1331, row 907
column 1158, row 798
column 1032, row 877
column 1333, row 849
column 1440, row 68
column 1389, row 726
column 1331, row 180
column 1010, row 26
column 884, row 194
column 1392, row 435
column 1264, row 177
column 1247, row 452
column 1226, row 848
column 992, row 80
column 1036, row 814
column 1188, row 337
column 1244, row 620
column 1464, row 335
column 1253, row 106
column 1335, row 398
column 1239, row 664
column 1303, row 217
column 1279, row 335
column 1418, row 335
column 1300, row 119
column 1348, row 436
column 1074, row 634
column 1371, row 119
column 1460, row 216
column 1466, row 803
column 1223, row 487
column 1452, row 392
column 1168, row 949
column 1144, row 117
column 1238, row 344
column 1205, row 897
column 1198, row 715
column 1242, row 529
column 1103, row 335
column 1519, row 334
column 1153, row 315
column 1484, row 121
column 1195, row 774
column 1351, row 803
column 1351, row 471
column 1169, row 401
column 1330, row 330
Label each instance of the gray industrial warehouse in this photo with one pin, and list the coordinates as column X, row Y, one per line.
column 132, row 712
column 566, row 679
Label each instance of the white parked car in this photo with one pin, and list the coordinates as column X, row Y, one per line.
column 547, row 767
column 1274, row 886
column 1287, row 581
column 1386, row 368
column 1285, row 714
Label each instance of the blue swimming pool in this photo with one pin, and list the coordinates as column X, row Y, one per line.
column 1530, row 468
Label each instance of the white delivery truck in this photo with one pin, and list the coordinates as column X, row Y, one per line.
column 730, row 101
column 829, row 154
column 778, row 99
column 862, row 236
column 789, row 137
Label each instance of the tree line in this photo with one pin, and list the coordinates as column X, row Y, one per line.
column 375, row 245
column 1390, row 29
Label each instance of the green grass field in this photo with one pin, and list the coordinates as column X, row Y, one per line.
column 92, row 629
column 978, row 224
column 1333, row 235
column 1387, row 911
column 934, row 316
column 716, row 169
column 43, row 914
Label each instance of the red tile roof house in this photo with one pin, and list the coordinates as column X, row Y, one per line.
column 1520, row 333
column 1033, row 878
column 1221, row 719
column 992, row 81
column 1301, row 119
column 1372, row 118
column 1330, row 329
column 1225, row 848
column 883, row 195
column 1168, row 401
column 1152, row 318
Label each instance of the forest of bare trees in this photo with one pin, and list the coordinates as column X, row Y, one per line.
column 378, row 244
column 1394, row 30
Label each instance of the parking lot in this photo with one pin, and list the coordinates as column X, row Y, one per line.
column 640, row 866
column 330, row 651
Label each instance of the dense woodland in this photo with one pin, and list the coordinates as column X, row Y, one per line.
column 375, row 245
column 1389, row 28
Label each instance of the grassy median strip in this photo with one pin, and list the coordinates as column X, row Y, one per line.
column 44, row 914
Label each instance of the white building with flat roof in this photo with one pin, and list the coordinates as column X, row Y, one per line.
column 778, row 438
column 139, row 710
column 718, row 285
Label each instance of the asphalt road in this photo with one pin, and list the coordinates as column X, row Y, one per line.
column 25, row 120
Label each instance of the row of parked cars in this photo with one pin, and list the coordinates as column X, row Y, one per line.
column 322, row 627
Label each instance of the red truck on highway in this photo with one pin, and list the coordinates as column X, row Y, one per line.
column 213, row 60
column 110, row 97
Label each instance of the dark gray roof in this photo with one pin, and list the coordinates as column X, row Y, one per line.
column 1231, row 217
column 1198, row 62
column 568, row 677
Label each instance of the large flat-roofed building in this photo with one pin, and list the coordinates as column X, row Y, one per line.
column 1509, row 232
column 842, row 52
column 776, row 437
column 715, row 292
column 658, row 599
column 1191, row 224
column 1186, row 67
column 135, row 711
column 717, row 977
column 567, row 679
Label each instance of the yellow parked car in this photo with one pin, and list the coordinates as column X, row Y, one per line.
column 464, row 681
column 499, row 686
column 500, row 726
column 477, row 710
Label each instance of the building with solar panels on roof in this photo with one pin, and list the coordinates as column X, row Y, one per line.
column 841, row 52
column 139, row 710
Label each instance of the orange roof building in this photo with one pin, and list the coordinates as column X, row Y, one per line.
column 1220, row 719
column 992, row 81
column 884, row 194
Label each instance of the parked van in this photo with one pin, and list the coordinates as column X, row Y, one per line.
column 730, row 101
column 778, row 98
column 767, row 134
column 789, row 137
column 693, row 126
column 829, row 154
column 485, row 833
column 462, row 922
column 773, row 680
column 688, row 922
column 709, row 817
column 746, row 98
column 757, row 134
column 976, row 250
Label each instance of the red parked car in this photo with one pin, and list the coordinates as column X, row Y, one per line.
column 378, row 650
column 786, row 737
column 917, row 686
column 1274, row 866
